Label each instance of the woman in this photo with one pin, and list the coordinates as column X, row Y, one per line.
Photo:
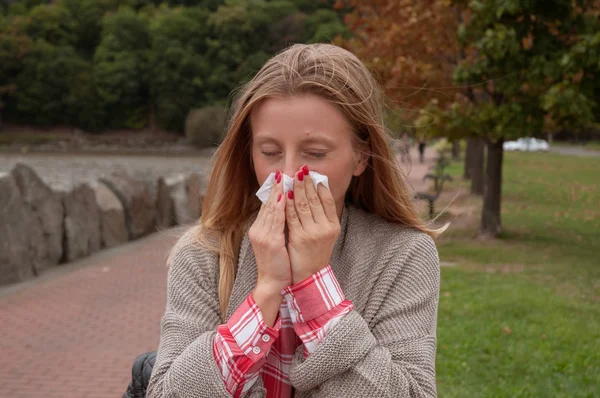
column 319, row 292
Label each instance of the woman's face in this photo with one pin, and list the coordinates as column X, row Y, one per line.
column 290, row 132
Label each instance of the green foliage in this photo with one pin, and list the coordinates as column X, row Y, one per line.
column 205, row 127
column 127, row 62
column 533, row 70
column 86, row 23
column 178, row 69
column 324, row 25
column 53, row 24
column 121, row 68
column 242, row 28
column 14, row 45
column 19, row 7
column 46, row 87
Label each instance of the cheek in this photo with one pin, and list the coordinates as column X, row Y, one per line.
column 261, row 169
column 339, row 179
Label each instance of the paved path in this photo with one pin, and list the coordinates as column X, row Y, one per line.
column 75, row 331
column 575, row 151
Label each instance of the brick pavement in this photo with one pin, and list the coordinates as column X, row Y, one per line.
column 76, row 329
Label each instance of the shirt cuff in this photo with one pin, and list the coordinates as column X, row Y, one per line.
column 314, row 296
column 248, row 330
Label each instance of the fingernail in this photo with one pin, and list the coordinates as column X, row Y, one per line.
column 300, row 176
column 291, row 194
column 278, row 178
column 305, row 170
column 279, row 197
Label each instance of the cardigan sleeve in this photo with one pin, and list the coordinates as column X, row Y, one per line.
column 315, row 305
column 185, row 363
column 392, row 355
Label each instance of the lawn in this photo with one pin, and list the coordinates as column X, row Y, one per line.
column 520, row 316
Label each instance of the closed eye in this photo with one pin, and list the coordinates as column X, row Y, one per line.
column 270, row 153
column 318, row 155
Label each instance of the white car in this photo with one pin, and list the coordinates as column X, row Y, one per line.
column 527, row 145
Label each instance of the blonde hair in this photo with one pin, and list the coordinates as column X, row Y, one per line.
column 337, row 76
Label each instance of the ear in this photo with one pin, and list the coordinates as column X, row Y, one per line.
column 362, row 160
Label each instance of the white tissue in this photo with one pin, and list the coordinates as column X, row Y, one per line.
column 288, row 184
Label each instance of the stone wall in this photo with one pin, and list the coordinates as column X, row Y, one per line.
column 43, row 226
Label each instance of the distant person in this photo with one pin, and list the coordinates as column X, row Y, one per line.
column 318, row 291
column 422, row 150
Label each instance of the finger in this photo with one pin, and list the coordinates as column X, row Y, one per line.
column 291, row 216
column 271, row 201
column 278, row 221
column 301, row 201
column 314, row 200
column 328, row 203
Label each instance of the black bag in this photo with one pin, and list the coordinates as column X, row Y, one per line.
column 140, row 375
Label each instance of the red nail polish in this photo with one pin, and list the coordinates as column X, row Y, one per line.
column 277, row 174
column 278, row 179
column 305, row 170
column 279, row 197
column 300, row 176
column 291, row 194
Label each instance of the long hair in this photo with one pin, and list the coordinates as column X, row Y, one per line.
column 337, row 76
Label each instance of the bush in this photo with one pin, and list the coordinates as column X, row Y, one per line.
column 205, row 127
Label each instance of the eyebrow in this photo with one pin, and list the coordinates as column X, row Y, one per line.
column 319, row 139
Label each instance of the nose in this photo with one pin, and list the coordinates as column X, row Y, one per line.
column 291, row 165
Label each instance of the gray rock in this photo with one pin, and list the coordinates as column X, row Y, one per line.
column 179, row 199
column 165, row 211
column 140, row 213
column 195, row 189
column 44, row 206
column 178, row 194
column 113, row 230
column 16, row 263
column 82, row 222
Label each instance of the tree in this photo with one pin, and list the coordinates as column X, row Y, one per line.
column 414, row 49
column 14, row 46
column 516, row 54
column 410, row 45
column 179, row 68
column 524, row 66
column 240, row 40
column 121, row 68
column 86, row 21
column 46, row 86
column 53, row 24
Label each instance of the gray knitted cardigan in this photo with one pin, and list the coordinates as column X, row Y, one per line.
column 385, row 347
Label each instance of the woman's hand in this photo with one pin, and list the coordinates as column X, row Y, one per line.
column 313, row 226
column 268, row 242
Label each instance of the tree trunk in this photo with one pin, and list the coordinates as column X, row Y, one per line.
column 476, row 162
column 468, row 152
column 490, row 216
column 456, row 149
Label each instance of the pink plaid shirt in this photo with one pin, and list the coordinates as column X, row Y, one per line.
column 246, row 348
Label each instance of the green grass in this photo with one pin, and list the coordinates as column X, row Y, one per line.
column 520, row 316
